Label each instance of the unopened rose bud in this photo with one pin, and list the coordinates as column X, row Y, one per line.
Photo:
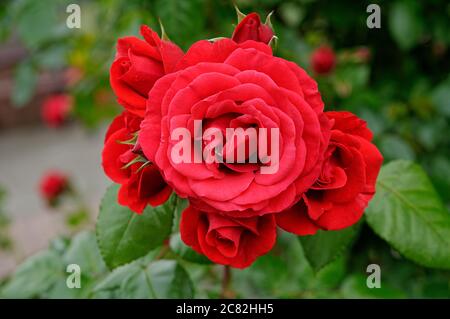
column 251, row 28
column 323, row 60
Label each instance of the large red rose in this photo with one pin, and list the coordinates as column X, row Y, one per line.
column 140, row 184
column 229, row 241
column 251, row 28
column 229, row 85
column 138, row 64
column 346, row 183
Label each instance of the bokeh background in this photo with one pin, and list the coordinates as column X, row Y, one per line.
column 395, row 77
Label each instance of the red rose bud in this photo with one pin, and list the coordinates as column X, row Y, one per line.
column 229, row 241
column 56, row 109
column 323, row 60
column 251, row 28
column 137, row 66
column 52, row 185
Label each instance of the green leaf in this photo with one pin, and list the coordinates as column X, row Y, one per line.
column 325, row 246
column 114, row 280
column 407, row 212
column 394, row 147
column 124, row 236
column 37, row 22
column 35, row 276
column 441, row 98
column 405, row 23
column 355, row 286
column 24, row 84
column 160, row 279
column 84, row 252
column 183, row 20
column 185, row 252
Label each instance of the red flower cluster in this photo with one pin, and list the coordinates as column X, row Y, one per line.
column 327, row 164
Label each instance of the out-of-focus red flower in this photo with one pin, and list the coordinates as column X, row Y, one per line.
column 52, row 185
column 56, row 109
column 323, row 60
column 251, row 28
column 73, row 75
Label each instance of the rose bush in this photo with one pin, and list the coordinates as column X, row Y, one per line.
column 325, row 173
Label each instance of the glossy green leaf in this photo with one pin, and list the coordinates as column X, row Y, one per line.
column 159, row 279
column 407, row 212
column 355, row 287
column 325, row 246
column 405, row 23
column 36, row 275
column 124, row 236
column 83, row 251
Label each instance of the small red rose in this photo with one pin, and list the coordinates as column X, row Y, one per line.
column 137, row 66
column 229, row 241
column 346, row 183
column 56, row 109
column 52, row 185
column 251, row 28
column 122, row 160
column 323, row 60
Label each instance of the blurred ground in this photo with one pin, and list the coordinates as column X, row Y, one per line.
column 27, row 153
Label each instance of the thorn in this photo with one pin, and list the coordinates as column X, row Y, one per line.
column 268, row 22
column 240, row 15
column 273, row 43
column 164, row 35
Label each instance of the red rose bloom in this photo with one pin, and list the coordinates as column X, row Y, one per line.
column 346, row 183
column 251, row 28
column 56, row 109
column 229, row 241
column 141, row 182
column 52, row 185
column 138, row 64
column 229, row 85
column 323, row 60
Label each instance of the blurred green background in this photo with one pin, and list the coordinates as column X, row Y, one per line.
column 401, row 88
